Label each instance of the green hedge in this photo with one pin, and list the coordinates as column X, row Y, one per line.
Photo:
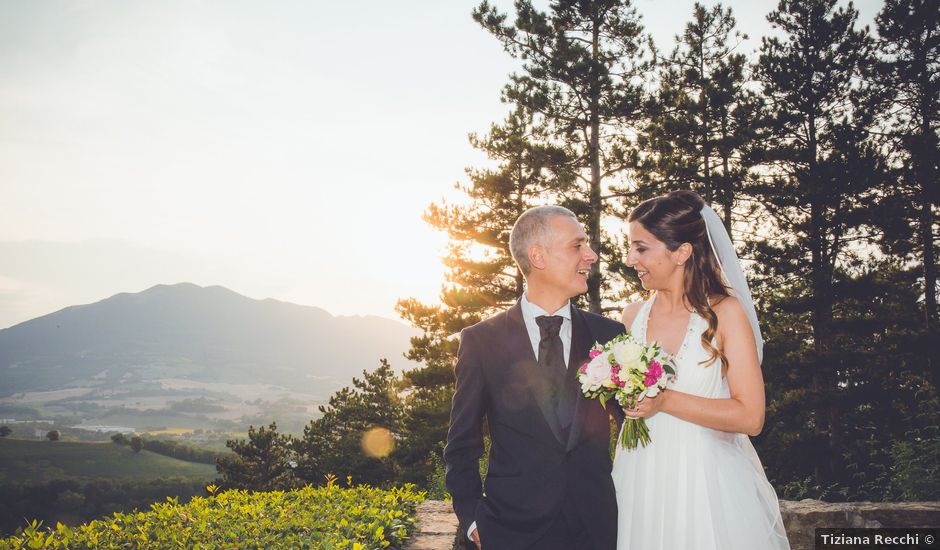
column 328, row 518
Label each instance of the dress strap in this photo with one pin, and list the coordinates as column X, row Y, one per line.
column 642, row 319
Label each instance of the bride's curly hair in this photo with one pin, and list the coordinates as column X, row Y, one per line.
column 675, row 218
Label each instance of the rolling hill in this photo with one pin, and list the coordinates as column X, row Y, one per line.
column 39, row 461
column 201, row 334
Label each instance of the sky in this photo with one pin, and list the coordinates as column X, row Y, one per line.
column 282, row 149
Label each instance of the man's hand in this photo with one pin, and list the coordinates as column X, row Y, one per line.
column 475, row 535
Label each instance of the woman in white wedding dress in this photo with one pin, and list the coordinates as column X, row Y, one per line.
column 699, row 484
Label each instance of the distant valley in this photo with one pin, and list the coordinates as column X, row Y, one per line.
column 184, row 357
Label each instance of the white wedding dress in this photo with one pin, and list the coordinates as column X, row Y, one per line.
column 694, row 488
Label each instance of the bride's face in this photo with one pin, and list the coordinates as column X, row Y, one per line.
column 657, row 267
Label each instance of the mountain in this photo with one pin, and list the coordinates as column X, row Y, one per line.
column 196, row 334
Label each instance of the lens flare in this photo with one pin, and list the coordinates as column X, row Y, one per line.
column 378, row 442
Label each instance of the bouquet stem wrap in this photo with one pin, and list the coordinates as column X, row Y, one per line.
column 634, row 432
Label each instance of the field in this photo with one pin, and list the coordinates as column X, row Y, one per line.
column 167, row 403
column 39, row 461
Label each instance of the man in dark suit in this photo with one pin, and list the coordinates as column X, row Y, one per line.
column 548, row 484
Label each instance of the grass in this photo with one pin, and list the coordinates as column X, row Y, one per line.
column 39, row 461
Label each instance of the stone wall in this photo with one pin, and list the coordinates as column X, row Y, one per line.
column 437, row 524
column 803, row 517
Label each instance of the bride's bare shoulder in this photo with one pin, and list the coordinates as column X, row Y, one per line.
column 630, row 312
column 730, row 314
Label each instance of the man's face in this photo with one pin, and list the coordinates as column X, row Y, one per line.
column 566, row 258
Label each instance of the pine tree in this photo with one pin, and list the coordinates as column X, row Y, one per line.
column 263, row 462
column 481, row 275
column 337, row 443
column 883, row 396
column 702, row 116
column 815, row 176
column 905, row 89
column 583, row 66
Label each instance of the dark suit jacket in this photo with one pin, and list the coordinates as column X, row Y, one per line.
column 533, row 467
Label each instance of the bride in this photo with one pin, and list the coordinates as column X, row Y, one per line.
column 699, row 484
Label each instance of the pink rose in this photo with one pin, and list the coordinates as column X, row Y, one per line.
column 596, row 371
column 655, row 369
column 653, row 374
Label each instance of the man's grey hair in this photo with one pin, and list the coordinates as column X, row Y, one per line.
column 533, row 227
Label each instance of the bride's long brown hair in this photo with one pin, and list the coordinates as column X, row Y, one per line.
column 674, row 219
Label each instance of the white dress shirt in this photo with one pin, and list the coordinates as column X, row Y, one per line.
column 529, row 312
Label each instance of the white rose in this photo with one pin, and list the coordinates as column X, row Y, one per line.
column 627, row 354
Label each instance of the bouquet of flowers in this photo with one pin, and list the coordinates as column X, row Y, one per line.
column 628, row 371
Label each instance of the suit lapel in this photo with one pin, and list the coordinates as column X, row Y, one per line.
column 519, row 349
column 581, row 341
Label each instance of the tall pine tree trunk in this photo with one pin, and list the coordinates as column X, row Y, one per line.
column 594, row 222
column 727, row 190
column 706, row 133
column 821, row 320
column 596, row 205
column 923, row 167
column 930, row 266
column 520, row 209
column 821, row 280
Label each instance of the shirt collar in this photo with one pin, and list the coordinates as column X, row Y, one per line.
column 531, row 311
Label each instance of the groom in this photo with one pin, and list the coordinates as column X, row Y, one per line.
column 548, row 484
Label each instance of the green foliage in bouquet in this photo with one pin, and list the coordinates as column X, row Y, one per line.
column 328, row 517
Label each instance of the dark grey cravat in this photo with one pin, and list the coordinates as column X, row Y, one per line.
column 552, row 365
